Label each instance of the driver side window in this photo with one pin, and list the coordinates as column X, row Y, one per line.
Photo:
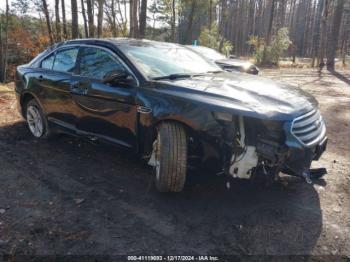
column 97, row 63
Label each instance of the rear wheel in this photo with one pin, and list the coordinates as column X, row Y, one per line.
column 36, row 120
column 170, row 157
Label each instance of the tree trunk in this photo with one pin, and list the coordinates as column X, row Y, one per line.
column 332, row 46
column 64, row 21
column 126, row 17
column 48, row 22
column 210, row 11
column 346, row 33
column 6, row 39
column 1, row 54
column 75, row 29
column 123, row 22
column 346, row 48
column 190, row 22
column 143, row 17
column 133, row 19
column 58, row 22
column 86, row 32
column 269, row 31
column 323, row 37
column 114, row 23
column 173, row 19
column 282, row 13
column 316, row 31
column 4, row 46
column 90, row 13
column 100, row 18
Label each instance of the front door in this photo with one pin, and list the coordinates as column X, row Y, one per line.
column 106, row 111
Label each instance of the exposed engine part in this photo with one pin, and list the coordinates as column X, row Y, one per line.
column 246, row 162
column 243, row 164
column 271, row 151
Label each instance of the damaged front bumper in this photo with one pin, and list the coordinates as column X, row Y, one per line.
column 304, row 141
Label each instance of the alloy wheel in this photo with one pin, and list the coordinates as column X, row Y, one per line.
column 35, row 121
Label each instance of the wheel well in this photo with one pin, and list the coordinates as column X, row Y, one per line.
column 148, row 147
column 188, row 129
column 24, row 101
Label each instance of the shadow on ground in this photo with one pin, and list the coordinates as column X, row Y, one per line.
column 341, row 76
column 68, row 196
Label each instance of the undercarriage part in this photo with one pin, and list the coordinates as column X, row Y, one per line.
column 265, row 174
column 306, row 176
column 314, row 173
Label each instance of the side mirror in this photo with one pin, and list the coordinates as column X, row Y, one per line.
column 120, row 77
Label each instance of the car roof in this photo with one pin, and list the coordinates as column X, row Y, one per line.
column 120, row 41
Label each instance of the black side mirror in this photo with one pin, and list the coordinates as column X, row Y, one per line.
column 120, row 77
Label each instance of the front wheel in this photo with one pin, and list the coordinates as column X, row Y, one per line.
column 170, row 157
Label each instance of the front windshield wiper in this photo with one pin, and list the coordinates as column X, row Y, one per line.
column 172, row 76
column 180, row 75
column 215, row 72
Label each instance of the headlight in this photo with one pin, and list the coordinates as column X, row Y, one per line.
column 223, row 116
column 246, row 66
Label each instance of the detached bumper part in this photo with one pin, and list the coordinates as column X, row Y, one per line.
column 320, row 148
column 299, row 162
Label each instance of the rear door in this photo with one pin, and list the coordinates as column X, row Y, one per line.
column 106, row 111
column 54, row 84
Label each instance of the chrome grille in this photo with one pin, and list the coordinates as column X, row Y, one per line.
column 309, row 128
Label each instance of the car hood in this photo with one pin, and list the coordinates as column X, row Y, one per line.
column 250, row 95
column 234, row 62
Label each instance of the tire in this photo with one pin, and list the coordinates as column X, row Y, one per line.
column 171, row 157
column 36, row 120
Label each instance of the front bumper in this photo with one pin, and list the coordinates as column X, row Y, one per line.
column 300, row 155
column 320, row 148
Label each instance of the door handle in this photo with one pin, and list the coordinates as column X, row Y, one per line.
column 80, row 88
column 144, row 110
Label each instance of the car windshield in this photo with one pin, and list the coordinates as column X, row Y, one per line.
column 161, row 60
column 208, row 52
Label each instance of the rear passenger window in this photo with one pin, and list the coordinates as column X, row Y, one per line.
column 47, row 63
column 65, row 60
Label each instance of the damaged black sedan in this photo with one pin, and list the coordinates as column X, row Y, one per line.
column 172, row 107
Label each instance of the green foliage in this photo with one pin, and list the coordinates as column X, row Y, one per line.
column 270, row 54
column 212, row 38
column 281, row 42
column 255, row 42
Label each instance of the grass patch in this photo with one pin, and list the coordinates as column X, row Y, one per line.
column 6, row 88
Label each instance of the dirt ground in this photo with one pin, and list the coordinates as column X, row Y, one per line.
column 69, row 196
